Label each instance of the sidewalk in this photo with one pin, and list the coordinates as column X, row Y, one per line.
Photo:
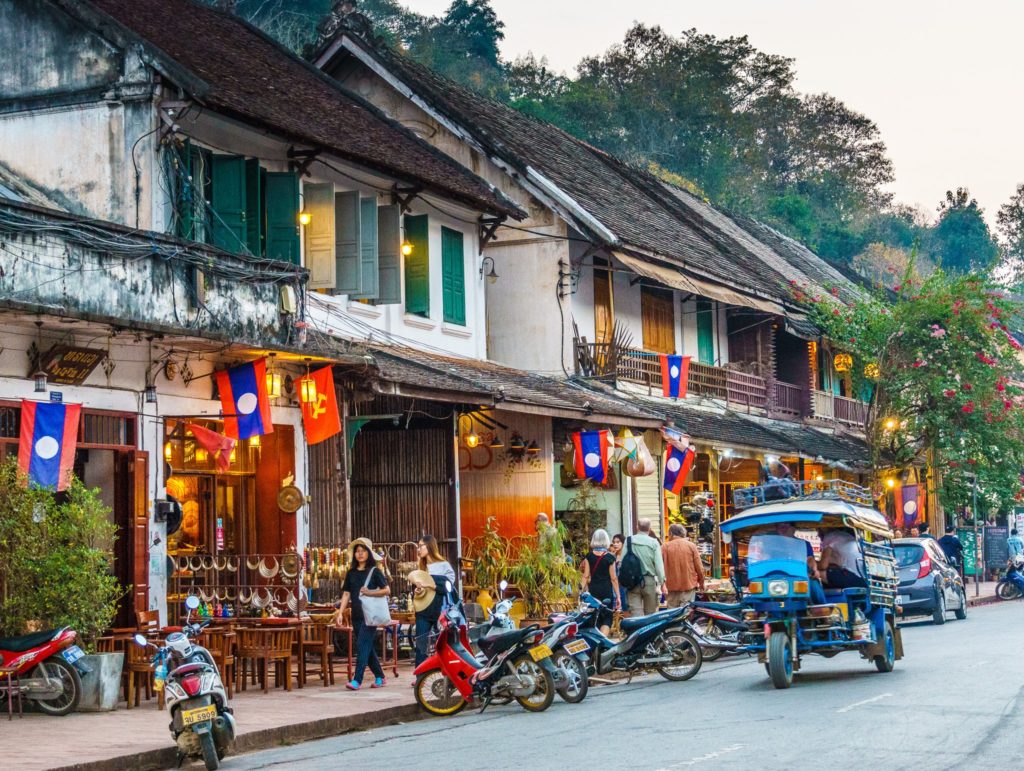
column 139, row 738
column 986, row 596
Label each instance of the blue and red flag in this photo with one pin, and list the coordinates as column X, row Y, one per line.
column 677, row 467
column 244, row 400
column 46, row 444
column 593, row 449
column 675, row 371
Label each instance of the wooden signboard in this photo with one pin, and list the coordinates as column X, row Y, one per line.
column 68, row 365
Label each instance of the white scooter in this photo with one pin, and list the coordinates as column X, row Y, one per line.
column 201, row 720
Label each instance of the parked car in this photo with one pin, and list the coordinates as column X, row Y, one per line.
column 928, row 583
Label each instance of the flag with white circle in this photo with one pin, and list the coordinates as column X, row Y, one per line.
column 675, row 373
column 592, row 452
column 677, row 467
column 46, row 442
column 244, row 400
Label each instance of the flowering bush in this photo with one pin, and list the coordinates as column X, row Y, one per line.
column 946, row 371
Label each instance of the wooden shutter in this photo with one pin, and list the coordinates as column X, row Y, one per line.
column 348, row 279
column 320, row 256
column 417, row 265
column 253, row 203
column 453, row 276
column 705, row 332
column 229, row 198
column 140, row 530
column 282, row 196
column 389, row 255
column 604, row 318
column 657, row 319
column 370, row 284
column 647, row 499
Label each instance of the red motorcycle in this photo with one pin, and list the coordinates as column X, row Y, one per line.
column 452, row 676
column 47, row 664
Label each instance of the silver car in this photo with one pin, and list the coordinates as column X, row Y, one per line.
column 928, row 584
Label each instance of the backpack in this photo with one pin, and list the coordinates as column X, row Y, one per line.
column 631, row 570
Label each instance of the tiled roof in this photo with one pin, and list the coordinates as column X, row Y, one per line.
column 640, row 210
column 456, row 379
column 238, row 71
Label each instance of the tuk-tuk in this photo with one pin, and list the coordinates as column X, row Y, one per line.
column 773, row 575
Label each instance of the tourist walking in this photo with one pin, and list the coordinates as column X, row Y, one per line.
column 643, row 598
column 429, row 590
column 684, row 571
column 600, row 577
column 365, row 579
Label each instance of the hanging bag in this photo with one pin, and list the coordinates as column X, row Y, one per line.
column 375, row 609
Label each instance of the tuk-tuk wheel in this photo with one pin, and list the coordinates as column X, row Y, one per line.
column 780, row 660
column 887, row 660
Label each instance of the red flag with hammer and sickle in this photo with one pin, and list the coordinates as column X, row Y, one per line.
column 320, row 414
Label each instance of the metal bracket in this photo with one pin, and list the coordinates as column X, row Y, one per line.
column 170, row 110
column 488, row 227
column 302, row 159
column 402, row 196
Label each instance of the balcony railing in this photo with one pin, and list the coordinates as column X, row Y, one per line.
column 839, row 409
column 790, row 400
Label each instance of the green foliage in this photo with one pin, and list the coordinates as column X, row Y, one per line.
column 582, row 517
column 949, row 378
column 54, row 565
column 543, row 575
column 489, row 555
column 961, row 241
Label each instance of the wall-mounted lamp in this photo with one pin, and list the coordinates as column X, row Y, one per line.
column 305, row 218
column 532, row 448
column 472, row 439
column 150, row 394
column 496, row 443
column 890, row 483
column 407, row 249
column 40, row 378
column 492, row 275
column 727, row 452
column 168, row 451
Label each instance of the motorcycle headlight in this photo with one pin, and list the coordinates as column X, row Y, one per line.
column 778, row 588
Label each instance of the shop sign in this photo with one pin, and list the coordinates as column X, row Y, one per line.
column 70, row 365
column 56, row 396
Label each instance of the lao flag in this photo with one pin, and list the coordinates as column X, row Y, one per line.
column 243, row 397
column 675, row 371
column 592, row 451
column 46, row 445
column 908, row 507
column 677, row 468
column 320, row 416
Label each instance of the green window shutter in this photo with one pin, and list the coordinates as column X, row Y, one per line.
column 229, row 196
column 453, row 276
column 282, row 196
column 370, row 285
column 346, row 238
column 253, row 196
column 320, row 236
column 705, row 333
column 417, row 265
column 389, row 254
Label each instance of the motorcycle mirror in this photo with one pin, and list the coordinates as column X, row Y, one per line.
column 191, row 602
column 503, row 585
column 141, row 641
column 448, row 586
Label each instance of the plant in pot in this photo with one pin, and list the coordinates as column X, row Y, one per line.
column 490, row 563
column 544, row 576
column 56, row 564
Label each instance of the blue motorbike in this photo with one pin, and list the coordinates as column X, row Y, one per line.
column 1011, row 586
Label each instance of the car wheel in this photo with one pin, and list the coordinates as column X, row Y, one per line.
column 961, row 612
column 939, row 614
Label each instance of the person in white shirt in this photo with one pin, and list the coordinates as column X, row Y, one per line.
column 841, row 562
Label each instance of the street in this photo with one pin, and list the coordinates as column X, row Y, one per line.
column 953, row 701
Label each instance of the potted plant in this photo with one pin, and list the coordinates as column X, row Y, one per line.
column 56, row 567
column 490, row 563
column 544, row 576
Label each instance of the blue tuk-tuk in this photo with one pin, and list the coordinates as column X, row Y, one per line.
column 773, row 565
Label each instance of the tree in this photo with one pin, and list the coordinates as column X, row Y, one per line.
column 1010, row 225
column 948, row 378
column 961, row 241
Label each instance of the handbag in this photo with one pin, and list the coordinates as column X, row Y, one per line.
column 375, row 609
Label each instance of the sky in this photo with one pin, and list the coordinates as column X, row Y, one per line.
column 941, row 79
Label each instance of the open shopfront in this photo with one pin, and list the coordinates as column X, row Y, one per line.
column 236, row 542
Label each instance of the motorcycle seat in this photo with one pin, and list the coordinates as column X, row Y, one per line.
column 724, row 607
column 496, row 643
column 26, row 642
column 631, row 624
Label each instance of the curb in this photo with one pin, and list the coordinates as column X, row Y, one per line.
column 975, row 602
column 263, row 739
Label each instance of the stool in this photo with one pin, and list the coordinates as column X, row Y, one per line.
column 13, row 688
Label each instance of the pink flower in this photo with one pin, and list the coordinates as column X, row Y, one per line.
column 1007, row 405
column 835, row 291
column 949, row 392
column 919, row 363
column 938, row 331
column 968, row 408
column 835, row 311
column 897, row 288
column 1000, row 386
column 967, row 387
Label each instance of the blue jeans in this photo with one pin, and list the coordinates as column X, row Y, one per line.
column 365, row 654
column 817, row 592
column 424, row 624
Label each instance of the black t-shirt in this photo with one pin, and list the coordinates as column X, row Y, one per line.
column 600, row 574
column 354, row 581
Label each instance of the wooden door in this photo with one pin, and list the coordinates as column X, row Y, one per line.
column 139, row 462
column 657, row 319
column 604, row 318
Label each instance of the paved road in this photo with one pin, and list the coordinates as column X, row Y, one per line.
column 954, row 701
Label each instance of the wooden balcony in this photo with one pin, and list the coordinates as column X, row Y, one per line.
column 830, row 408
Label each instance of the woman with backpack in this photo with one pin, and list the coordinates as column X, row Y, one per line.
column 600, row 577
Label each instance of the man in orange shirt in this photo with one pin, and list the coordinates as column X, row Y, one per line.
column 684, row 572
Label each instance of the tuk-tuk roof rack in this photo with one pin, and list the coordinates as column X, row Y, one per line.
column 784, row 490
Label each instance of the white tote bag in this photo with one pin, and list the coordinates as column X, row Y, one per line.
column 375, row 609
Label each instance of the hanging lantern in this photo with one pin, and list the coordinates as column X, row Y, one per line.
column 307, row 390
column 471, row 439
column 871, row 371
column 843, row 362
column 274, row 384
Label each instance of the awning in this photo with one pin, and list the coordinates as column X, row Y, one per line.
column 673, row 277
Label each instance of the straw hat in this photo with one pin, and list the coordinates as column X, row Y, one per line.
column 369, row 547
column 424, row 590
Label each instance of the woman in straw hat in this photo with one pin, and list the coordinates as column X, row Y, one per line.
column 428, row 588
column 365, row 578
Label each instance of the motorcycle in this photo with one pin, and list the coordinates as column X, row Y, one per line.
column 452, row 676
column 716, row 628
column 1011, row 585
column 202, row 723
column 656, row 642
column 52, row 662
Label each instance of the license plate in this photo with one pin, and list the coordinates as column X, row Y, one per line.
column 576, row 646
column 540, row 652
column 72, row 654
column 200, row 715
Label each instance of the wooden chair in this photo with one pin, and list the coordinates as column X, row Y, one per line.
column 138, row 674
column 316, row 642
column 261, row 648
column 221, row 644
column 148, row 621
